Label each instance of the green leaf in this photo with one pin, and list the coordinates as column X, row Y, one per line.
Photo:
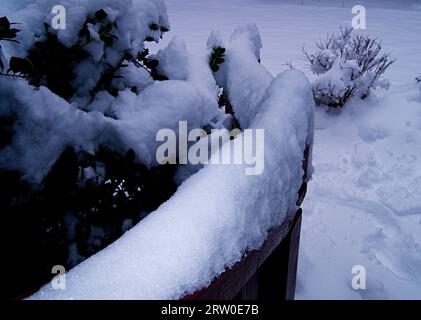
column 159, row 77
column 154, row 26
column 217, row 58
column 142, row 55
column 46, row 27
column 130, row 156
column 4, row 24
column 152, row 64
column 9, row 34
column 101, row 15
column 106, row 29
column 214, row 68
column 14, row 31
column 108, row 41
column 19, row 65
column 5, row 32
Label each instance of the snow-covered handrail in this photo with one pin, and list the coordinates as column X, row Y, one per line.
column 217, row 214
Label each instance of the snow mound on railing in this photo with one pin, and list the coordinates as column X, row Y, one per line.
column 217, row 214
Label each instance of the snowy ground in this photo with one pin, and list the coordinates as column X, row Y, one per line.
column 364, row 203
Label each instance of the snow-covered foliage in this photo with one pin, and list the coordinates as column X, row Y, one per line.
column 244, row 95
column 218, row 213
column 102, row 42
column 45, row 124
column 347, row 64
column 113, row 114
column 79, row 112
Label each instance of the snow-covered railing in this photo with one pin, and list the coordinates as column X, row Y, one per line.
column 219, row 216
column 268, row 273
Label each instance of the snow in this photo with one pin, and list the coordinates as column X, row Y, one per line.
column 197, row 233
column 48, row 124
column 245, row 86
column 347, row 64
column 132, row 20
column 286, row 26
column 173, row 60
column 363, row 204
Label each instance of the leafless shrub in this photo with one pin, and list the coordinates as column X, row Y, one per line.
column 347, row 64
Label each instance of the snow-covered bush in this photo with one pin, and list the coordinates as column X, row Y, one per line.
column 79, row 113
column 93, row 61
column 347, row 64
column 7, row 33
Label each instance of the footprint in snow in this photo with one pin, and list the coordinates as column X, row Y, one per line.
column 400, row 200
column 401, row 256
column 374, row 290
column 370, row 135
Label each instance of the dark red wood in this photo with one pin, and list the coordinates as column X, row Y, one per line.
column 276, row 277
column 294, row 246
column 232, row 280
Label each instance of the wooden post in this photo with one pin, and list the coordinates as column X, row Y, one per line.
column 275, row 279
